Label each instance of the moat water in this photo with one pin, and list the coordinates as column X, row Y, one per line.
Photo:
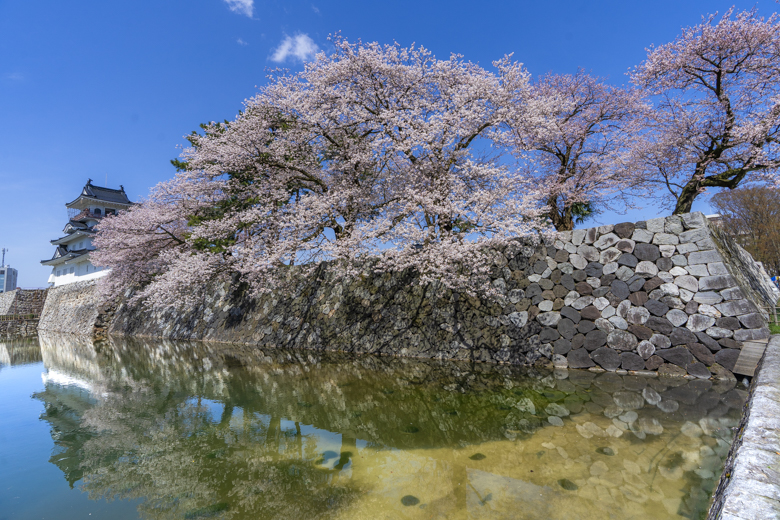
column 177, row 430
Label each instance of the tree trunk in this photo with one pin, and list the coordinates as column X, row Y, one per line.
column 563, row 220
column 686, row 198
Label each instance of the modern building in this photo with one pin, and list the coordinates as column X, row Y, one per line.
column 71, row 262
column 7, row 278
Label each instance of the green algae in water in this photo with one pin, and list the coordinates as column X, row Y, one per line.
column 478, row 456
column 568, row 485
column 208, row 511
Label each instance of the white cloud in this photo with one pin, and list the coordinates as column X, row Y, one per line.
column 15, row 76
column 245, row 7
column 315, row 9
column 299, row 47
column 241, row 42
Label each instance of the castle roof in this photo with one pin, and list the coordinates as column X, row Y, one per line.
column 92, row 193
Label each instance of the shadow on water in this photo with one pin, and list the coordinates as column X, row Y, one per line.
column 224, row 431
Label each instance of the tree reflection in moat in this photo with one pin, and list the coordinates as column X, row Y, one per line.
column 202, row 431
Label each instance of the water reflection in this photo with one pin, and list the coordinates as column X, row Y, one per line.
column 219, row 431
column 19, row 351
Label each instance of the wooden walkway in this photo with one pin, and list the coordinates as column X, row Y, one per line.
column 751, row 354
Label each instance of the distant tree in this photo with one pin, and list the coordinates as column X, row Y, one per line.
column 374, row 149
column 716, row 120
column 751, row 215
column 580, row 158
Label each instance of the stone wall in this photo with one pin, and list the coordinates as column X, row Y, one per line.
column 72, row 308
column 749, row 486
column 6, row 300
column 668, row 295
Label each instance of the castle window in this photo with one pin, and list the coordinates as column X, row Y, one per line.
column 97, row 211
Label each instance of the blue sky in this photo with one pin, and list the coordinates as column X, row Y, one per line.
column 101, row 89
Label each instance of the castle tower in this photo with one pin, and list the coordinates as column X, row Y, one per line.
column 71, row 262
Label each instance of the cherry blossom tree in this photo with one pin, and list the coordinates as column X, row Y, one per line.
column 581, row 159
column 376, row 151
column 715, row 122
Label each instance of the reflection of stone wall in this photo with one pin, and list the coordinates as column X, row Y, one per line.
column 665, row 294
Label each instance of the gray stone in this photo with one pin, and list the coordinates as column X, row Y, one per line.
column 687, row 282
column 579, row 359
column 631, row 361
column 624, row 229
column 680, row 260
column 626, row 245
column 701, row 353
column 621, row 340
column 732, row 293
column 752, row 321
column 548, row 335
column 708, row 342
column 676, row 317
column 645, row 349
column 693, row 220
column 651, row 396
column 637, row 284
column 577, row 261
column 606, row 358
column 727, row 358
column 559, row 361
column 679, row 356
column 518, row 319
column 665, row 238
column 751, row 334
column 610, row 268
column 642, row 236
column 566, row 328
column 647, row 252
column 704, row 257
column 673, row 302
column 694, row 235
column 686, row 248
column 718, row 332
column 681, row 336
column 628, row 400
column 589, row 253
column 585, row 326
column 618, row 322
column 646, row 269
column 700, row 322
column 661, row 341
column 660, row 325
column 656, row 225
column 736, row 307
column 549, row 319
column 656, row 307
column 664, row 264
column 571, row 314
column 717, row 268
column 640, row 331
column 610, row 255
column 707, row 297
column 594, row 269
column 638, row 298
column 582, row 302
column 605, row 241
column 562, row 346
column 697, row 270
column 620, row 289
column 628, row 260
column 638, row 315
column 698, row 370
column 715, row 283
column 604, row 325
column 577, row 236
column 622, row 308
column 673, row 224
column 591, row 235
column 595, row 339
column 728, row 322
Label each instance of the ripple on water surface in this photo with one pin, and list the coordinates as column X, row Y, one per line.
column 204, row 431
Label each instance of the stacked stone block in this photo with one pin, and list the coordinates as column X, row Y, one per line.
column 655, row 295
